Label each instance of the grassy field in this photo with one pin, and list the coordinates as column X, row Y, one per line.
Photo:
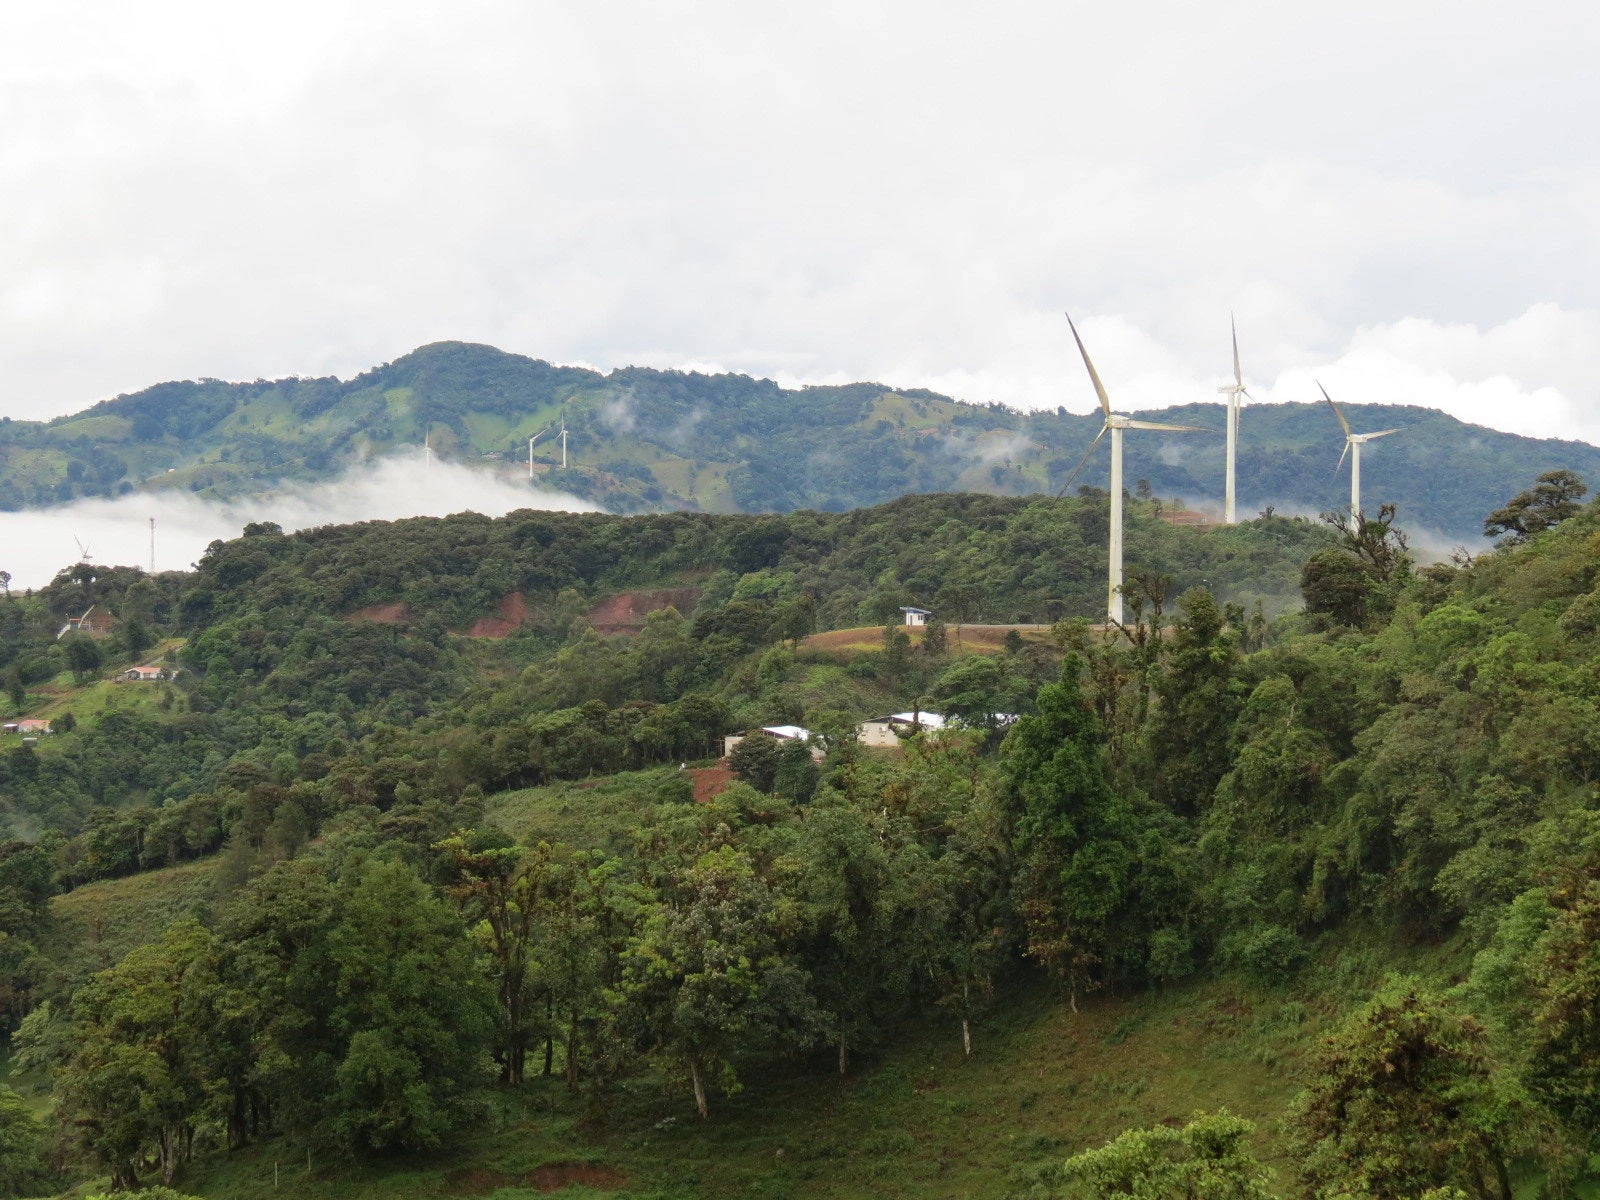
column 595, row 813
column 95, row 925
column 919, row 1123
column 959, row 639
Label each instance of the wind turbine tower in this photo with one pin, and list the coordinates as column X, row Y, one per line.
column 1352, row 446
column 427, row 453
column 1116, row 423
column 563, row 441
column 1235, row 392
column 152, row 545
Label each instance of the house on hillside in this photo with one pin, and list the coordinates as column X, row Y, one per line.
column 144, row 674
column 916, row 616
column 784, row 733
column 97, row 622
column 889, row 730
column 28, row 726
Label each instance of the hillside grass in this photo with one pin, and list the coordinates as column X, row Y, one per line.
column 920, row 1122
column 94, row 925
column 846, row 644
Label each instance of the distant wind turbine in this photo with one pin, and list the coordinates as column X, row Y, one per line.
column 1235, row 391
column 1352, row 446
column 83, row 549
column 1116, row 423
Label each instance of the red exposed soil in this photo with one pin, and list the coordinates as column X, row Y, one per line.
column 552, row 1177
column 625, row 612
column 511, row 612
column 395, row 612
column 709, row 782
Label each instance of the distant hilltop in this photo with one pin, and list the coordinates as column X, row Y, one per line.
column 642, row 440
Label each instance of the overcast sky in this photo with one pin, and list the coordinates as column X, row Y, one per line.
column 1403, row 198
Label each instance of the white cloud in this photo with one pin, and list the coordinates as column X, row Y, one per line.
column 1392, row 194
column 117, row 532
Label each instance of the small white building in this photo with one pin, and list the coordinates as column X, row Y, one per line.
column 144, row 674
column 28, row 726
column 916, row 616
column 784, row 733
column 889, row 730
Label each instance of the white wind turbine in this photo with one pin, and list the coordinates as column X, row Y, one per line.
column 1116, row 423
column 1352, row 446
column 1235, row 392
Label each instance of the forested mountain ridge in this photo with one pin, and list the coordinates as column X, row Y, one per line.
column 643, row 439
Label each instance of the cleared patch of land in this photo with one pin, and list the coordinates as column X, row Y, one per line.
column 959, row 639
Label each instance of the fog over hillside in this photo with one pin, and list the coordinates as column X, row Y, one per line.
column 39, row 543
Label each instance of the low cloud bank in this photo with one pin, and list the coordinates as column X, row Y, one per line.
column 37, row 543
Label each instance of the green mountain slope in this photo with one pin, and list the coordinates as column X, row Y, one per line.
column 645, row 439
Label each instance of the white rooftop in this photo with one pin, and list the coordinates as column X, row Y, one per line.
column 927, row 720
column 787, row 731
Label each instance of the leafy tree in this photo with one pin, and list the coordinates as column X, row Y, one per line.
column 855, row 909
column 22, row 1149
column 977, row 689
column 1189, row 731
column 711, row 972
column 1401, row 1100
column 84, row 657
column 1552, row 499
column 896, row 653
column 1336, row 587
column 1564, row 971
column 136, row 1083
column 796, row 775
column 497, row 890
column 412, row 1010
column 756, row 759
column 1076, row 839
column 1207, row 1159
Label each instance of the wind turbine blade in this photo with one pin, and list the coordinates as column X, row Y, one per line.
column 1170, row 428
column 1238, row 377
column 1367, row 437
column 1099, row 388
column 1082, row 461
column 1342, row 453
column 1335, row 407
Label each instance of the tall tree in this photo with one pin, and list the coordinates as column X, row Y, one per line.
column 711, row 971
column 1076, row 840
column 1196, row 706
column 497, row 891
column 135, row 1084
column 1552, row 499
column 413, row 1011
